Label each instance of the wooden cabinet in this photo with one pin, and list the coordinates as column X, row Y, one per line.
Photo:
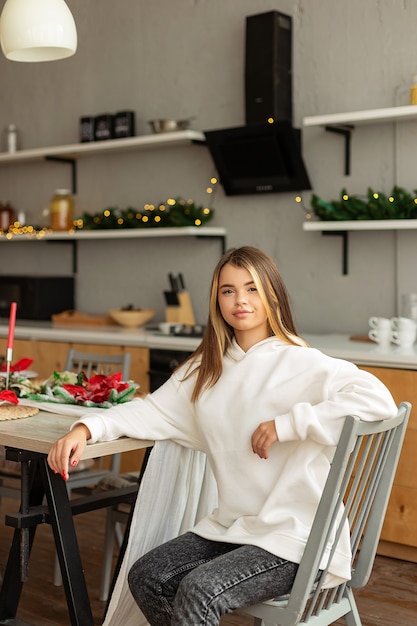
column 399, row 533
column 50, row 356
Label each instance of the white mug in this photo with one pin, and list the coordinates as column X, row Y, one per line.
column 381, row 335
column 165, row 327
column 381, row 330
column 404, row 337
column 379, row 322
column 403, row 323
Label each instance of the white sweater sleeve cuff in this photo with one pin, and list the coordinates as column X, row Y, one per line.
column 284, row 426
column 94, row 424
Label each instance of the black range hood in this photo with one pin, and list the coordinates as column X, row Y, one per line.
column 258, row 158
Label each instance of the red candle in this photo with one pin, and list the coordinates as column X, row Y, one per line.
column 12, row 322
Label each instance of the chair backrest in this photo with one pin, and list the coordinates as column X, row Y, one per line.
column 98, row 363
column 356, row 492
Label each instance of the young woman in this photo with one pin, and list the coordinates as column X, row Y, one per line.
column 267, row 410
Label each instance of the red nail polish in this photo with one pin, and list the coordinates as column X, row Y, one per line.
column 74, row 463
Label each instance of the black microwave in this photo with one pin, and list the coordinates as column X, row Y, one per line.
column 37, row 297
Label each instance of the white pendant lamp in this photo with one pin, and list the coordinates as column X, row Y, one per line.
column 37, row 30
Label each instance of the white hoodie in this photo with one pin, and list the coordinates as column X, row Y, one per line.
column 270, row 502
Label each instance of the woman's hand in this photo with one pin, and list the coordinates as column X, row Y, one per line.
column 263, row 437
column 68, row 449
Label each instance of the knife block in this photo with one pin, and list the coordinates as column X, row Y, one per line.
column 181, row 313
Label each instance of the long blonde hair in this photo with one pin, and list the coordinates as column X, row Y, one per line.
column 219, row 335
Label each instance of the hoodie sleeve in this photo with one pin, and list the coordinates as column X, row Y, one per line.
column 344, row 390
column 167, row 413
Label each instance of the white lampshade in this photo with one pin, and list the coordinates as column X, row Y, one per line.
column 37, row 30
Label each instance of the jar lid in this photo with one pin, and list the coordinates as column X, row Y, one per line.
column 62, row 192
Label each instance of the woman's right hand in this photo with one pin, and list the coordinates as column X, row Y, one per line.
column 68, row 449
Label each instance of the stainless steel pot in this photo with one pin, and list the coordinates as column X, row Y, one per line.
column 167, row 126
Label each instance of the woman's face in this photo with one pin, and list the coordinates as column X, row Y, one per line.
column 241, row 306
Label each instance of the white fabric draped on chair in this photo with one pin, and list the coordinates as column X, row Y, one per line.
column 177, row 490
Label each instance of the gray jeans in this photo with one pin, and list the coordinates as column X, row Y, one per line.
column 191, row 581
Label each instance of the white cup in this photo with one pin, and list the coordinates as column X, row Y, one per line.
column 402, row 323
column 165, row 327
column 381, row 336
column 379, row 322
column 381, row 330
column 404, row 337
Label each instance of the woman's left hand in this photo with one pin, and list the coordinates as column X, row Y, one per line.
column 263, row 437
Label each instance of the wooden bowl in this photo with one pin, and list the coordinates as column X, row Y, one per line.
column 131, row 318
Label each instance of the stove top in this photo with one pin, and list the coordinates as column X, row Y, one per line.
column 185, row 330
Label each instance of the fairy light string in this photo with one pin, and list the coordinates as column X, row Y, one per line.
column 174, row 212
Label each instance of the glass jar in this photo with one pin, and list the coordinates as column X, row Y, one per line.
column 61, row 210
column 413, row 89
column 7, row 216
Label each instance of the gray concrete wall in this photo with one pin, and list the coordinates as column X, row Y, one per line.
column 180, row 58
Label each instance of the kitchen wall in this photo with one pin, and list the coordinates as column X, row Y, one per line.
column 181, row 58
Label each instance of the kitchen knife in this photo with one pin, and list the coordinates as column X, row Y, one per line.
column 173, row 282
column 181, row 282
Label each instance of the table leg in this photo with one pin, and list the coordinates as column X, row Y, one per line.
column 42, row 482
column 15, row 573
column 67, row 547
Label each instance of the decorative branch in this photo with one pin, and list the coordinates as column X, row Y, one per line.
column 400, row 204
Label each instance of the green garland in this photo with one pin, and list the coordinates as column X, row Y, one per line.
column 399, row 205
column 172, row 213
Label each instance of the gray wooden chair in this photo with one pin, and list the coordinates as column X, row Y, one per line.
column 357, row 490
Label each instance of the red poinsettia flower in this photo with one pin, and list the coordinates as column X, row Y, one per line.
column 9, row 396
column 77, row 391
column 97, row 388
column 19, row 366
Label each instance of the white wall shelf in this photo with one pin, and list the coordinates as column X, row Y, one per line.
column 78, row 150
column 73, row 237
column 360, row 225
column 342, row 228
column 371, row 116
column 118, row 233
column 344, row 123
column 71, row 153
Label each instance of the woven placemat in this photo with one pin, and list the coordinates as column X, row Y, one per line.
column 16, row 411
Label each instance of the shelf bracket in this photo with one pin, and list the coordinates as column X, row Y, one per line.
column 74, row 249
column 346, row 131
column 345, row 241
column 221, row 238
column 73, row 164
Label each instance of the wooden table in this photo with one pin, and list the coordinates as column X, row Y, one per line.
column 28, row 441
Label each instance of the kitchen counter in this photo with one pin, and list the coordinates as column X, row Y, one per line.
column 334, row 344
column 108, row 335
